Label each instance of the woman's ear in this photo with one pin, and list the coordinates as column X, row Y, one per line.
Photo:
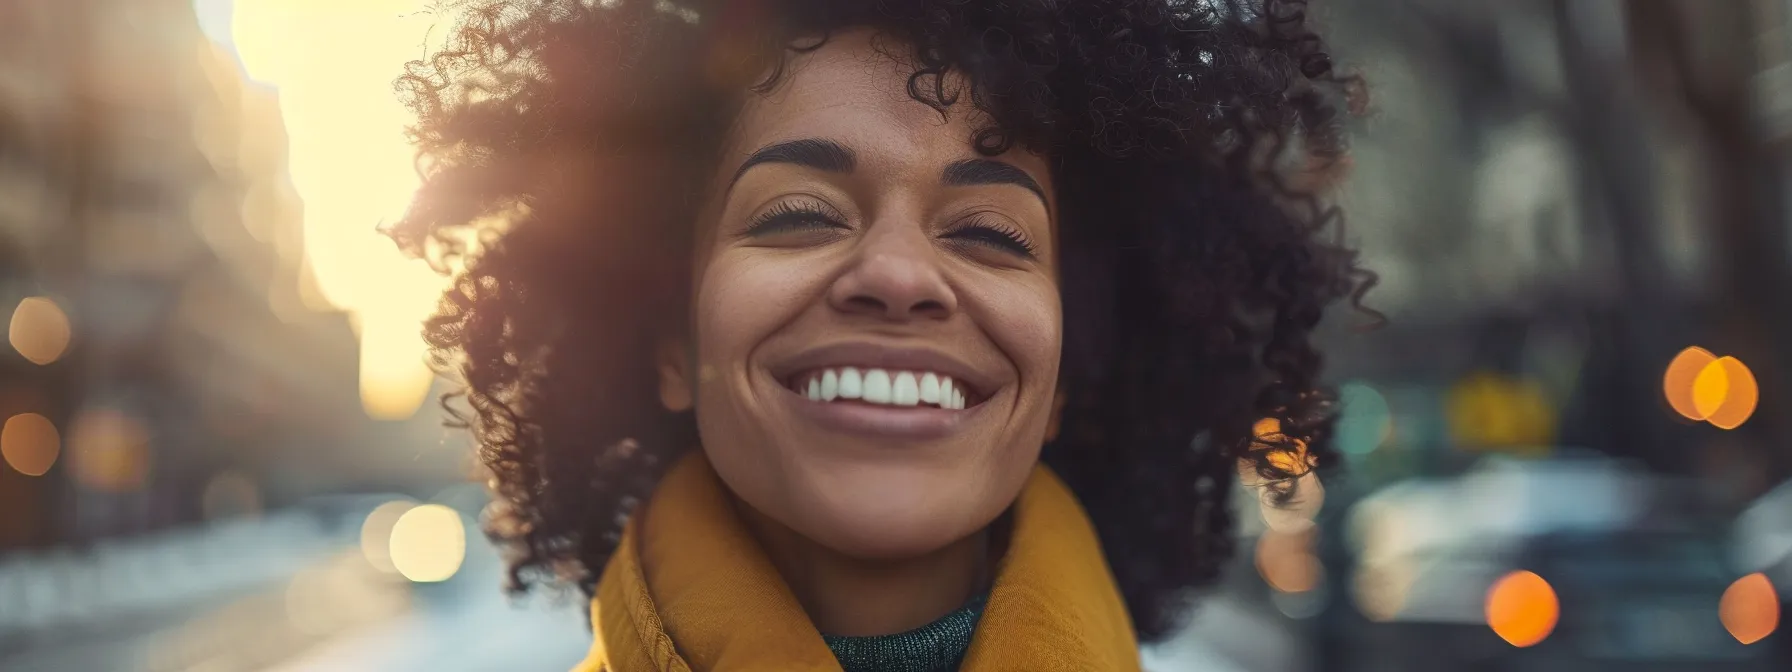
column 677, row 384
column 1051, row 426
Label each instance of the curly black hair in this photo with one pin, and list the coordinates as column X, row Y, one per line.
column 563, row 144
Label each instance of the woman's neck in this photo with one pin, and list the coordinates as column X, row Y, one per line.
column 853, row 597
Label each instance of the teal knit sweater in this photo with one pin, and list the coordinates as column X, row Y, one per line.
column 936, row 647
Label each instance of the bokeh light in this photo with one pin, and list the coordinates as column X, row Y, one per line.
column 1522, row 608
column 1677, row 382
column 1489, row 410
column 429, row 542
column 1703, row 387
column 376, row 534
column 1750, row 608
column 39, row 330
column 1286, row 561
column 30, row 444
column 1366, row 421
column 110, row 450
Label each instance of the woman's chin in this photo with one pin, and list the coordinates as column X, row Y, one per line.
column 879, row 524
column 868, row 542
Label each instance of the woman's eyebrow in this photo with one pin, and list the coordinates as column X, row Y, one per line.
column 814, row 153
column 973, row 172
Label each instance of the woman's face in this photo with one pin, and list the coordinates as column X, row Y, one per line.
column 877, row 321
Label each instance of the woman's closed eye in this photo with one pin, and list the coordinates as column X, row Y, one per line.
column 794, row 217
column 995, row 234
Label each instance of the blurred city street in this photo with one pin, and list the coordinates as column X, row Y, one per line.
column 289, row 594
column 306, row 590
column 292, row 594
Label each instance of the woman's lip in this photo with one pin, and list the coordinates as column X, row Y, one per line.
column 903, row 422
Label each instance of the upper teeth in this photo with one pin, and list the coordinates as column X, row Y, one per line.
column 881, row 386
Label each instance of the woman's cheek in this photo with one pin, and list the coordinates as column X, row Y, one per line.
column 1027, row 321
column 745, row 294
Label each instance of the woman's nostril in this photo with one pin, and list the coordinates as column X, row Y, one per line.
column 866, row 303
column 929, row 308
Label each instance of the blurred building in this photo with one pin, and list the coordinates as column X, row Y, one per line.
column 1566, row 194
column 143, row 192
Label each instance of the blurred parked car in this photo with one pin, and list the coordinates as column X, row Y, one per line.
column 1635, row 569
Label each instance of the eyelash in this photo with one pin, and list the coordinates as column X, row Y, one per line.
column 987, row 231
column 978, row 230
column 790, row 215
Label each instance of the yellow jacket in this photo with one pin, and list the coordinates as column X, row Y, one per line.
column 1053, row 607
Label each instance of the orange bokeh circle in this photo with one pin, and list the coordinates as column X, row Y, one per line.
column 1703, row 387
column 1750, row 608
column 1522, row 608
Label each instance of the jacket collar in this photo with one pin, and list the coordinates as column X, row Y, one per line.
column 1053, row 606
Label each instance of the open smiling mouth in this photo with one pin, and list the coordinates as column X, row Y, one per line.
column 884, row 387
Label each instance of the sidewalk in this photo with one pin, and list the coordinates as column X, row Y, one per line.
column 101, row 608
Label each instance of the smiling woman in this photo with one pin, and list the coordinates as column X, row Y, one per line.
column 959, row 315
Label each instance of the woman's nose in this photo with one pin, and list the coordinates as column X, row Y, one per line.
column 895, row 276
